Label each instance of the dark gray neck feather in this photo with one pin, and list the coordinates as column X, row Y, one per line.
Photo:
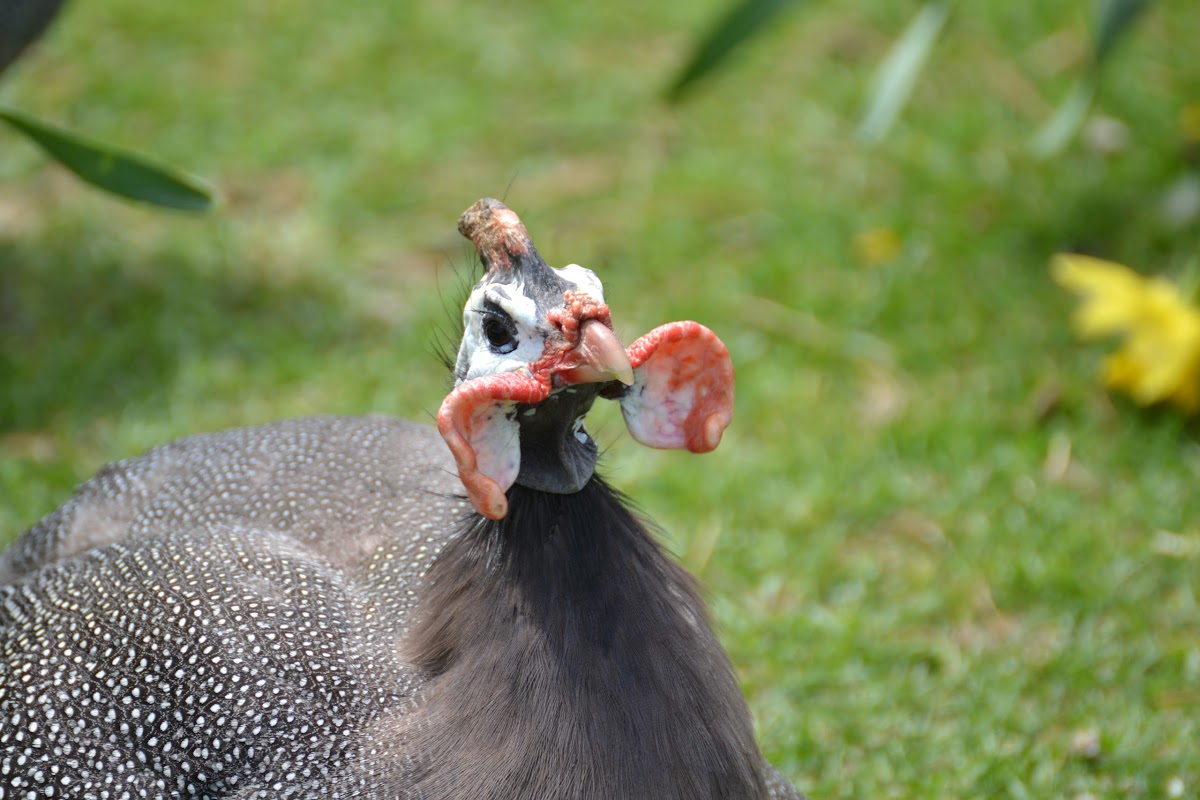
column 553, row 458
column 570, row 658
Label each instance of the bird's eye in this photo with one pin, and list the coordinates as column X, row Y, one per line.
column 500, row 336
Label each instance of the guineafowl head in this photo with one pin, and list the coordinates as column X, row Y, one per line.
column 538, row 349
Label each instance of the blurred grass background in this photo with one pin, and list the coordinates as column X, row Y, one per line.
column 946, row 564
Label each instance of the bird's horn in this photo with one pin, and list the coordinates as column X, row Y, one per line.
column 498, row 234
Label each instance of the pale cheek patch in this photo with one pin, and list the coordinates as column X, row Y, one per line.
column 512, row 298
column 682, row 395
column 497, row 443
column 477, row 422
column 475, row 357
column 653, row 412
column 484, row 362
column 584, row 279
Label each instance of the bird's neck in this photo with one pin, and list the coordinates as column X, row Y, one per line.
column 570, row 658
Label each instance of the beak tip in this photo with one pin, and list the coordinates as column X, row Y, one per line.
column 603, row 357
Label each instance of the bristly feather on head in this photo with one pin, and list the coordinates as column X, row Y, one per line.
column 448, row 334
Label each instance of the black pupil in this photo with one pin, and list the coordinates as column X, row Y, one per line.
column 499, row 336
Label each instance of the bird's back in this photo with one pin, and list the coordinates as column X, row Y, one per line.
column 221, row 616
column 345, row 487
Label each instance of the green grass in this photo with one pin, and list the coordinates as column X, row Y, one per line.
column 936, row 550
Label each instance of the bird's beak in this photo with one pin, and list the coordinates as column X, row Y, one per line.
column 599, row 357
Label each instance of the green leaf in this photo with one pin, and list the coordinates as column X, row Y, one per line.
column 1114, row 18
column 112, row 169
column 1062, row 127
column 740, row 23
column 899, row 70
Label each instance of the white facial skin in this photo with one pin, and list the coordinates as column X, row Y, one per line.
column 514, row 341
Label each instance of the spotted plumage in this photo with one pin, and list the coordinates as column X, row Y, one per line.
column 236, row 635
column 312, row 609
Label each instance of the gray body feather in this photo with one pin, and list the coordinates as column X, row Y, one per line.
column 236, row 615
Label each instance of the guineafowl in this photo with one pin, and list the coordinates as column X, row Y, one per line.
column 368, row 608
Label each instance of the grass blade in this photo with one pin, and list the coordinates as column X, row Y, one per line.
column 112, row 169
column 898, row 72
column 1052, row 137
column 740, row 23
column 1113, row 19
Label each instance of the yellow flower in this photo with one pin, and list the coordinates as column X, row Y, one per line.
column 1189, row 122
column 1159, row 360
column 876, row 246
